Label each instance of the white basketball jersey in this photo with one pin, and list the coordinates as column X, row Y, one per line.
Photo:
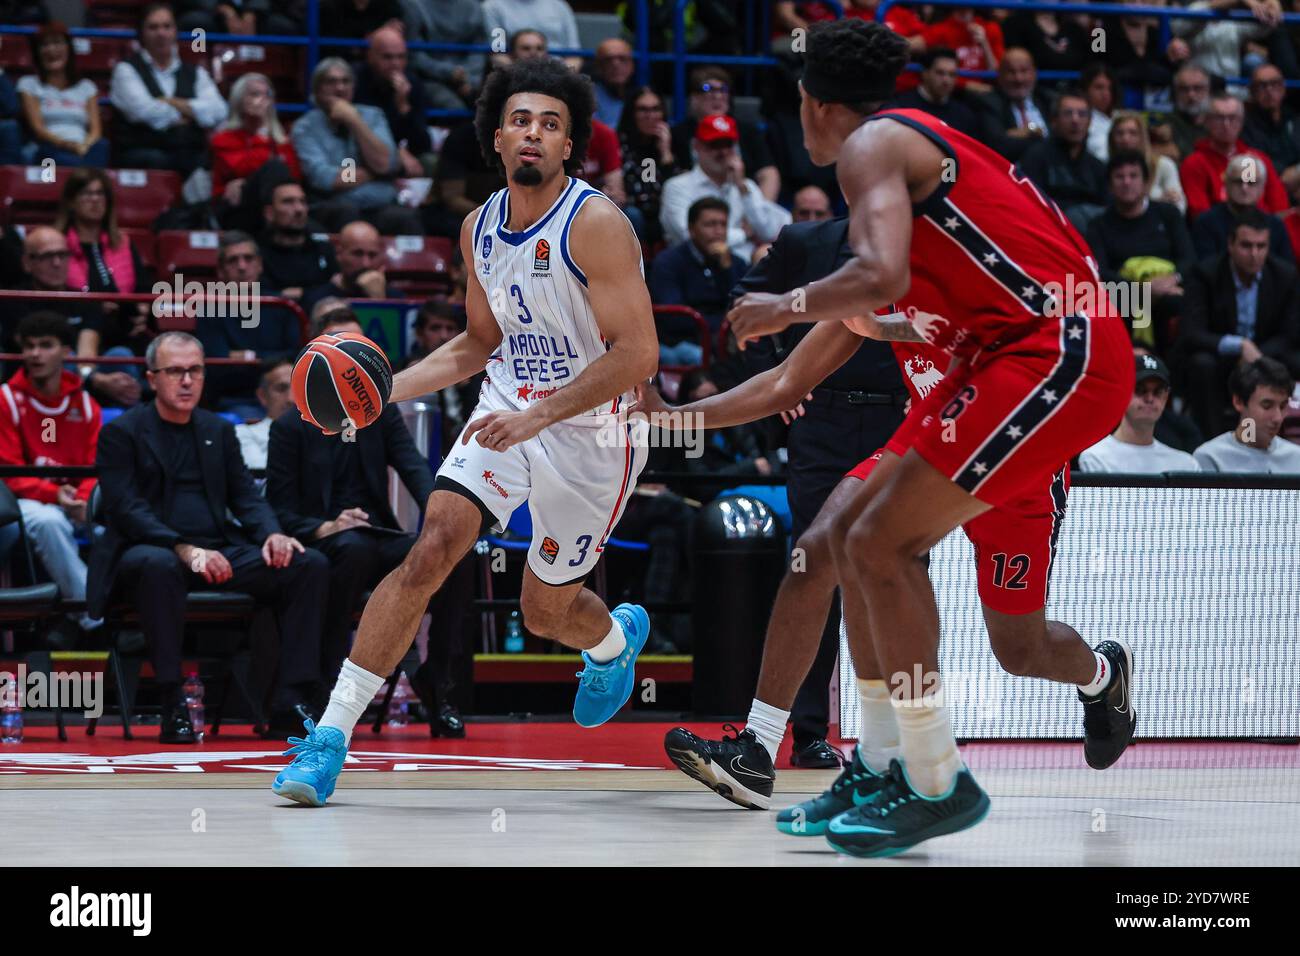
column 539, row 297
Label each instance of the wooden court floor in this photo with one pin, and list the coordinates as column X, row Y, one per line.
column 1164, row 804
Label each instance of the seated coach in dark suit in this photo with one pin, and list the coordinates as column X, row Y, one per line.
column 168, row 473
column 1237, row 307
column 334, row 495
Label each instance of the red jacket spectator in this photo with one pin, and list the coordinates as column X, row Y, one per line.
column 35, row 433
column 954, row 33
column 1202, row 176
column 237, row 153
column 603, row 154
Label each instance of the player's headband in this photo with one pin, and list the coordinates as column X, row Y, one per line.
column 836, row 90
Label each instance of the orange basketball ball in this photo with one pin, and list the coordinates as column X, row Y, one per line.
column 341, row 380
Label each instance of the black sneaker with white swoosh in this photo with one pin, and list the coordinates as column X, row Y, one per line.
column 737, row 768
column 1109, row 717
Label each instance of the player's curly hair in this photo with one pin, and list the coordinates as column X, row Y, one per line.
column 550, row 78
column 856, row 56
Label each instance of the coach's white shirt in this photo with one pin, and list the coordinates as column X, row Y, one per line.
column 1124, row 458
column 1225, row 453
column 765, row 218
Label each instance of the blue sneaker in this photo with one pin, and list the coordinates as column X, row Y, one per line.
column 318, row 758
column 856, row 785
column 604, row 688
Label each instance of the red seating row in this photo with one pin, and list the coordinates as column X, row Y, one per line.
column 96, row 57
column 29, row 195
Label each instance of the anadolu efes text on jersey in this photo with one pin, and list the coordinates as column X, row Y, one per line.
column 539, row 296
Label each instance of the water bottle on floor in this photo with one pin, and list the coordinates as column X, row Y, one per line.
column 193, row 691
column 11, row 715
column 399, row 708
column 514, row 634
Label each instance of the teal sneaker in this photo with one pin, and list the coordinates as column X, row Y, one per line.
column 856, row 785
column 603, row 689
column 898, row 818
column 317, row 760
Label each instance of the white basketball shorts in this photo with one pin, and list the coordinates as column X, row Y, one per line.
column 576, row 476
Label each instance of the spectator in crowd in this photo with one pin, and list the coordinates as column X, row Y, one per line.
column 11, row 131
column 1055, row 42
column 101, row 258
column 1133, row 449
column 736, row 451
column 1238, row 307
column 244, row 17
column 1138, row 240
column 1186, row 125
column 334, row 494
column 450, row 80
column 163, row 109
column 45, row 260
column 1202, row 172
column 361, row 266
column 524, row 45
column 274, row 396
column 788, row 16
column 293, row 261
column 602, row 166
column 48, row 419
column 1134, row 50
column 436, row 324
column 357, row 19
column 935, row 96
column 553, row 18
column 1271, row 126
column 60, row 109
column 646, row 143
column 250, row 138
column 465, row 180
column 1216, row 45
column 613, row 71
column 710, row 95
column 977, row 42
column 169, row 471
column 698, row 272
column 385, row 81
column 811, row 204
column 1101, row 87
column 1128, row 131
column 719, row 172
column 1061, row 165
column 1244, row 179
column 348, row 156
column 1015, row 112
column 1261, row 391
column 272, row 333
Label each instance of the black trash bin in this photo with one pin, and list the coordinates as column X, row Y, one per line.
column 739, row 561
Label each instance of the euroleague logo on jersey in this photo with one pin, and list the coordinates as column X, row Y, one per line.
column 542, row 256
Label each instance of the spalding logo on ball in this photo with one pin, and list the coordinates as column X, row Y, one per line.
column 341, row 380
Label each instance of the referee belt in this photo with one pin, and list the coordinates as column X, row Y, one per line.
column 833, row 397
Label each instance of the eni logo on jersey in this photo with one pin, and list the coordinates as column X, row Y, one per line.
column 541, row 257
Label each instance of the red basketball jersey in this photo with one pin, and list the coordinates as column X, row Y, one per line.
column 991, row 256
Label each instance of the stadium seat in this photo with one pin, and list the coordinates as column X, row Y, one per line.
column 96, row 57
column 113, row 13
column 189, row 253
column 280, row 64
column 417, row 265
column 31, row 193
column 144, row 242
column 141, row 195
column 15, row 55
column 594, row 27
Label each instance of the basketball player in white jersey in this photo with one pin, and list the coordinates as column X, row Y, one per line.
column 560, row 318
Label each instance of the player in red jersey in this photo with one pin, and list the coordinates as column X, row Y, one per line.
column 993, row 269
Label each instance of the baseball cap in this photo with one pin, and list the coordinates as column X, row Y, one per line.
column 1150, row 366
column 717, row 128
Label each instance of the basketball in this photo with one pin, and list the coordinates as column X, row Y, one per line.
column 341, row 380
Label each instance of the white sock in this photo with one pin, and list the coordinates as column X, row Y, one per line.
column 611, row 646
column 878, row 739
column 768, row 724
column 353, row 691
column 1101, row 679
column 928, row 747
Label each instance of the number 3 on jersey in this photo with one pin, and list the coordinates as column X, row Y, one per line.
column 525, row 317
